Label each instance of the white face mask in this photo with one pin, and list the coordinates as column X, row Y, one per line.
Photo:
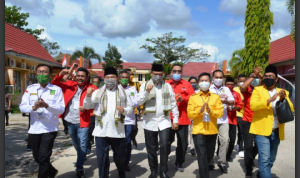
column 218, row 82
column 204, row 86
column 241, row 83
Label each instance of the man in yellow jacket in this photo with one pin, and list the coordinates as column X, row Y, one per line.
column 204, row 108
column 265, row 124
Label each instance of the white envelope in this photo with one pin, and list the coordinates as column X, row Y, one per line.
column 76, row 105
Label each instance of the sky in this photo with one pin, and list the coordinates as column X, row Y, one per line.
column 214, row 25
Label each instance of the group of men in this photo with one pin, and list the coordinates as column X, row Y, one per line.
column 202, row 108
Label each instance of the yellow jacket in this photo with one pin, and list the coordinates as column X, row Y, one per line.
column 238, row 89
column 262, row 121
column 216, row 111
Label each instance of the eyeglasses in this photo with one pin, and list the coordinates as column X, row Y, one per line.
column 42, row 72
column 176, row 71
column 269, row 76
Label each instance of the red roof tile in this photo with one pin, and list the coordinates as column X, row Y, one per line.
column 196, row 68
column 281, row 50
column 21, row 42
column 137, row 65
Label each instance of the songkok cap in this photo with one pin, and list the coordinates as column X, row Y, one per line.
column 110, row 71
column 157, row 68
column 271, row 68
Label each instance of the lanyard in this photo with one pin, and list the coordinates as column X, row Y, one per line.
column 37, row 92
column 203, row 99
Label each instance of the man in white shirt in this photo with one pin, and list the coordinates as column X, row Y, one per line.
column 130, row 119
column 110, row 104
column 223, row 126
column 44, row 102
column 159, row 100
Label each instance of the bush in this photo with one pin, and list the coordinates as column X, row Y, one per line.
column 15, row 109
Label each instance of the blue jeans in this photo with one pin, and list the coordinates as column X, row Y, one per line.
column 267, row 151
column 129, row 136
column 79, row 138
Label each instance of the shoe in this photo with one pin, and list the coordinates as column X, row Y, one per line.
column 88, row 151
column 192, row 151
column 7, row 124
column 153, row 174
column 163, row 175
column 66, row 132
column 229, row 159
column 179, row 167
column 211, row 167
column 80, row 174
column 127, row 168
column 237, row 147
column 241, row 154
column 134, row 143
column 53, row 174
column 29, row 148
column 248, row 174
column 223, row 168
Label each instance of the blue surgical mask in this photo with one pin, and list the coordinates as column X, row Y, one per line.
column 194, row 85
column 176, row 77
column 255, row 82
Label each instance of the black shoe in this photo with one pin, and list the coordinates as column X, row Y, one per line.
column 66, row 132
column 163, row 175
column 88, row 151
column 211, row 167
column 153, row 174
column 80, row 174
column 7, row 124
column 53, row 174
column 179, row 167
column 127, row 168
column 134, row 143
column 223, row 168
column 192, row 151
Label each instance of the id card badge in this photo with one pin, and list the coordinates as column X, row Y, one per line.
column 206, row 117
column 40, row 113
column 76, row 105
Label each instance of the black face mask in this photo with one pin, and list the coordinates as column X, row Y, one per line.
column 269, row 82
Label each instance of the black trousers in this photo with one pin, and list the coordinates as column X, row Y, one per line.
column 42, row 145
column 151, row 140
column 205, row 147
column 118, row 146
column 65, row 124
column 232, row 137
column 135, row 129
column 29, row 142
column 240, row 140
column 250, row 148
column 182, row 142
column 6, row 116
column 91, row 138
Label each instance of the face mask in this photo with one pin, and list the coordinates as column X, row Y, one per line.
column 269, row 82
column 231, row 88
column 204, row 86
column 194, row 85
column 241, row 84
column 176, row 77
column 110, row 83
column 157, row 78
column 218, row 82
column 97, row 84
column 131, row 78
column 43, row 79
column 124, row 81
column 81, row 84
column 255, row 82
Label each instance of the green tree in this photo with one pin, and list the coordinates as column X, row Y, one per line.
column 86, row 53
column 112, row 58
column 168, row 49
column 258, row 21
column 291, row 8
column 14, row 17
column 236, row 62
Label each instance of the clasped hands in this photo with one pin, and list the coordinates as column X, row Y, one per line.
column 205, row 106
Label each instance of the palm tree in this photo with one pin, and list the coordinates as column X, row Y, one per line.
column 236, row 62
column 291, row 8
column 86, row 53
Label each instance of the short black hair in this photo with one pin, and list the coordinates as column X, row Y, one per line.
column 229, row 79
column 99, row 78
column 176, row 65
column 127, row 69
column 193, row 78
column 42, row 65
column 203, row 74
column 124, row 72
column 218, row 70
column 83, row 70
column 242, row 76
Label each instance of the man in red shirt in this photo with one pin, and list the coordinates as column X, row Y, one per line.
column 183, row 90
column 250, row 151
column 232, row 120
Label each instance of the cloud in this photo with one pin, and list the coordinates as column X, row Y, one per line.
column 237, row 35
column 44, row 34
column 132, row 18
column 236, row 7
column 281, row 17
column 133, row 53
column 35, row 7
column 202, row 9
column 213, row 51
column 276, row 34
column 232, row 22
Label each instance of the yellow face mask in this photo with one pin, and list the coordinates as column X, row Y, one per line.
column 131, row 78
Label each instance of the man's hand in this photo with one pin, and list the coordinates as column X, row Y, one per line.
column 81, row 109
column 120, row 109
column 149, row 88
column 175, row 126
column 89, row 91
column 203, row 108
column 257, row 70
column 42, row 103
column 75, row 65
column 64, row 72
column 273, row 98
column 207, row 108
column 179, row 98
column 282, row 94
column 34, row 108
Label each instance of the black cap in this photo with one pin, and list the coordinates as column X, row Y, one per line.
column 271, row 68
column 110, row 70
column 157, row 67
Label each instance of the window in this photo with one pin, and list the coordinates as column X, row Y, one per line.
column 145, row 77
column 31, row 79
column 17, row 80
column 140, row 76
column 289, row 88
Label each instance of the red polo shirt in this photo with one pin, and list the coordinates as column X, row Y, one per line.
column 238, row 103
column 185, row 89
column 248, row 113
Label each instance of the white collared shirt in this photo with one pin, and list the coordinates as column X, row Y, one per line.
column 158, row 121
column 109, row 128
column 53, row 96
column 227, row 92
column 275, row 120
column 133, row 96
